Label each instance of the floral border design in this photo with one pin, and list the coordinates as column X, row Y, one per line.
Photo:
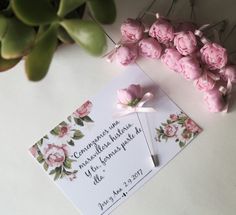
column 53, row 150
column 179, row 127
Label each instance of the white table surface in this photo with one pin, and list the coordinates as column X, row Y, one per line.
column 199, row 181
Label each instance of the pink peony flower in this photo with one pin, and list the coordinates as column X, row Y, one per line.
column 150, row 48
column 229, row 73
column 214, row 56
column 204, row 83
column 126, row 54
column 185, row 42
column 162, row 30
column 191, row 126
column 131, row 95
column 55, row 155
column 214, row 101
column 84, row 110
column 170, row 130
column 173, row 117
column 190, row 68
column 132, row 30
column 171, row 58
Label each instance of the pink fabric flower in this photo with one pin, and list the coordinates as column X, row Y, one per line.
column 55, row 155
column 190, row 67
column 204, row 83
column 214, row 56
column 130, row 95
column 150, row 48
column 214, row 101
column 126, row 54
column 170, row 130
column 185, row 42
column 229, row 73
column 162, row 30
column 191, row 126
column 84, row 110
column 132, row 30
column 171, row 58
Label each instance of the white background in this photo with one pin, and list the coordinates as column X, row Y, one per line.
column 200, row 180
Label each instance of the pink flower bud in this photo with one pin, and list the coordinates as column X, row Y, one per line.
column 131, row 95
column 171, row 58
column 229, row 73
column 126, row 54
column 214, row 56
column 204, row 83
column 185, row 42
column 214, row 100
column 162, row 30
column 190, row 67
column 132, row 30
column 150, row 48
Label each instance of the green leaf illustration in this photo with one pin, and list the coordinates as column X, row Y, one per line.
column 55, row 131
column 40, row 159
column 87, row 119
column 69, row 118
column 78, row 121
column 67, row 163
column 71, row 143
column 45, row 166
column 52, row 172
column 46, row 137
column 58, row 173
column 181, row 144
column 77, row 135
column 161, row 130
column 164, row 124
column 63, row 123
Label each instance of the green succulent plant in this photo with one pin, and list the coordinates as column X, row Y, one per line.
column 32, row 30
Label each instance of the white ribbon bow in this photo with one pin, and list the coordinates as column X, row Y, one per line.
column 138, row 108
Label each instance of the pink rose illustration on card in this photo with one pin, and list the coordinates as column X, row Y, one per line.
column 178, row 127
column 53, row 150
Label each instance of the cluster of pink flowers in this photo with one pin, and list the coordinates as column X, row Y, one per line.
column 184, row 51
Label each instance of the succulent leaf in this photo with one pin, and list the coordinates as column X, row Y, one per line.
column 67, row 6
column 38, row 61
column 3, row 26
column 34, row 13
column 63, row 36
column 103, row 11
column 8, row 64
column 17, row 40
column 87, row 34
